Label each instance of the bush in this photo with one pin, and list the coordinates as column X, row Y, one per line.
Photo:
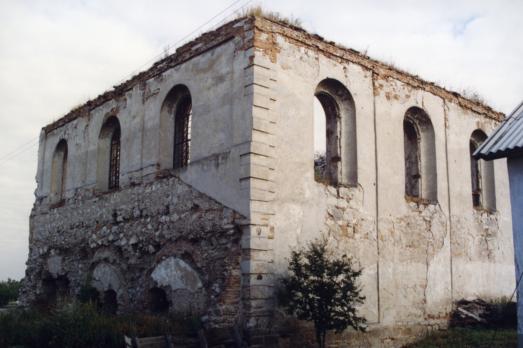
column 323, row 289
column 8, row 291
column 83, row 325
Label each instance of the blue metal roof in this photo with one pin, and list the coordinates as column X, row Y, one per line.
column 507, row 140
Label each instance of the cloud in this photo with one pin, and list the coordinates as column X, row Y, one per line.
column 460, row 26
column 57, row 54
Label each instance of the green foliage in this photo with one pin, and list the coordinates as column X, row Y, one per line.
column 8, row 291
column 82, row 325
column 88, row 294
column 323, row 289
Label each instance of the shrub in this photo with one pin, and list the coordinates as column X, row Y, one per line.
column 322, row 289
column 83, row 325
column 8, row 291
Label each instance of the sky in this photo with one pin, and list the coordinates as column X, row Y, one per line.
column 55, row 55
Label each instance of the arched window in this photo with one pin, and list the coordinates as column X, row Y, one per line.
column 482, row 176
column 335, row 159
column 108, row 163
column 175, row 128
column 420, row 156
column 59, row 171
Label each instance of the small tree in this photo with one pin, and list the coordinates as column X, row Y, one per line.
column 323, row 289
column 8, row 291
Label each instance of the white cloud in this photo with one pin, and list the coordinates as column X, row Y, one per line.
column 56, row 54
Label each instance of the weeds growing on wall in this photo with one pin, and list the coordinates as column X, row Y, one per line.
column 275, row 16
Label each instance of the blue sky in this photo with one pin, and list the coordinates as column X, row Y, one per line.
column 56, row 54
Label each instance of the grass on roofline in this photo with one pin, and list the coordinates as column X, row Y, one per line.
column 258, row 11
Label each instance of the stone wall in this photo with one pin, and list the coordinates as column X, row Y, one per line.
column 163, row 234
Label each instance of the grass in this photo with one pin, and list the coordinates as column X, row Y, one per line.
column 473, row 95
column 468, row 337
column 84, row 325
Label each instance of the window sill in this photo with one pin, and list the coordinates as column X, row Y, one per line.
column 485, row 210
column 419, row 200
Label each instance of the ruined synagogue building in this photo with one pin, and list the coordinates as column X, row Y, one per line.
column 184, row 189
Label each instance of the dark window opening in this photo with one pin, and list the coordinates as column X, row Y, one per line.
column 482, row 176
column 182, row 132
column 476, row 177
column 89, row 294
column 63, row 173
column 59, row 171
column 412, row 159
column 110, row 302
column 114, row 161
column 54, row 290
column 326, row 164
column 158, row 302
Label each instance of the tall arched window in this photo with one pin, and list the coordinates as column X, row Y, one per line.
column 59, row 171
column 114, row 161
column 108, row 163
column 175, row 128
column 182, row 132
column 420, row 156
column 336, row 154
column 482, row 175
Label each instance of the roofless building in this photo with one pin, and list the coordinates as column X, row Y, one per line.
column 184, row 188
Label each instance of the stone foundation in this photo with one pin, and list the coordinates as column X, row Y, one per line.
column 161, row 235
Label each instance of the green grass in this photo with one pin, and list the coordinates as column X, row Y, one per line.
column 468, row 337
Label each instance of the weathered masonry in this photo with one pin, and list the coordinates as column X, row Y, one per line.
column 184, row 188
